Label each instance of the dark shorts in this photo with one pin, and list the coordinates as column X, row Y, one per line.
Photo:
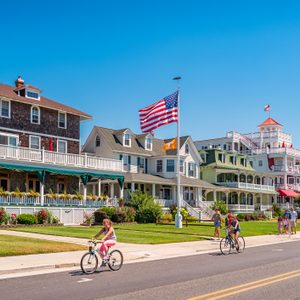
column 217, row 224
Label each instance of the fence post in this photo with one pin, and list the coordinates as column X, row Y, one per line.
column 43, row 154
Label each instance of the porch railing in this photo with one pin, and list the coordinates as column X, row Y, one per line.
column 251, row 186
column 36, row 201
column 55, row 158
column 241, row 207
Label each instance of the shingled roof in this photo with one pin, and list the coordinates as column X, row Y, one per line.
column 110, row 135
column 8, row 92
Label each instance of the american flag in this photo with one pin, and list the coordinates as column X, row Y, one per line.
column 160, row 113
column 267, row 107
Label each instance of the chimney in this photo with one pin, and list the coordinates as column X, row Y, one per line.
column 19, row 82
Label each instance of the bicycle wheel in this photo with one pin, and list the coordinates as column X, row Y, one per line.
column 225, row 246
column 241, row 243
column 89, row 263
column 115, row 261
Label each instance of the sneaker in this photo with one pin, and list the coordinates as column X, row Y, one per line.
column 104, row 263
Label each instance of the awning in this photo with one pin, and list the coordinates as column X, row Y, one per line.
column 288, row 193
column 85, row 175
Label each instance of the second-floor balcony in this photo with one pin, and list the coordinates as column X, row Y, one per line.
column 62, row 159
column 249, row 186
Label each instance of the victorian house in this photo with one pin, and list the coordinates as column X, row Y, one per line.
column 40, row 145
column 147, row 167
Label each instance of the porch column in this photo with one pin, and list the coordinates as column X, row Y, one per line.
column 199, row 193
column 94, row 189
column 215, row 195
column 239, row 200
column 42, row 186
column 84, row 194
column 99, row 187
column 112, row 190
column 122, row 192
column 227, row 196
column 153, row 190
column 132, row 186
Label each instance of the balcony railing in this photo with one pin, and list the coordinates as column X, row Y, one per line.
column 36, row 201
column 295, row 187
column 63, row 159
column 250, row 186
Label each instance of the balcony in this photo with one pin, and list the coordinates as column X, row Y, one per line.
column 295, row 187
column 60, row 159
column 290, row 169
column 249, row 186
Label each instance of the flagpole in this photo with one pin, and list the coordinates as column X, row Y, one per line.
column 178, row 217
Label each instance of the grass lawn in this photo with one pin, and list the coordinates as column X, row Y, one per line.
column 157, row 234
column 14, row 245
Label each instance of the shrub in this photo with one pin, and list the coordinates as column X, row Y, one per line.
column 26, row 219
column 192, row 219
column 251, row 217
column 221, row 206
column 55, row 220
column 183, row 212
column 4, row 216
column 277, row 211
column 147, row 210
column 118, row 217
column 166, row 218
column 41, row 216
column 130, row 213
column 99, row 216
column 240, row 217
column 109, row 211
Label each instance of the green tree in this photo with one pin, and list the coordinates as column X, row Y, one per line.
column 221, row 206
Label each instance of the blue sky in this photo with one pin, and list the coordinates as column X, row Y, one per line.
column 110, row 58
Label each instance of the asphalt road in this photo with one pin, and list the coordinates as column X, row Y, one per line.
column 268, row 272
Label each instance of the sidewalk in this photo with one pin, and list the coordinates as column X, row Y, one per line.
column 132, row 252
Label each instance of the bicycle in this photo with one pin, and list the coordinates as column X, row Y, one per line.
column 89, row 261
column 228, row 243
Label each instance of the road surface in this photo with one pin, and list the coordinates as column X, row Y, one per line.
column 267, row 272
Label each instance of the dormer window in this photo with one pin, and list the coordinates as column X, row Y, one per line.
column 148, row 143
column 62, row 120
column 32, row 94
column 35, row 115
column 187, row 150
column 97, row 141
column 127, row 140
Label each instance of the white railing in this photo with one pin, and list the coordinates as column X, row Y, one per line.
column 295, row 187
column 27, row 200
column 55, row 158
column 250, row 186
column 165, row 202
column 264, row 207
column 241, row 207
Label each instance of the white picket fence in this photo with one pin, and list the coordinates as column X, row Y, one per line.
column 67, row 216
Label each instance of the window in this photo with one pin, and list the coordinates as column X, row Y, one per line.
column 35, row 115
column 221, row 157
column 159, row 166
column 203, row 157
column 186, row 149
column 34, row 95
column 35, row 142
column 192, row 169
column 224, row 147
column 260, row 163
column 243, row 162
column 127, row 140
column 9, row 140
column 141, row 164
column 5, row 109
column 62, row 120
column 148, row 143
column 233, row 160
column 61, row 146
column 126, row 161
column 170, row 165
column 181, row 166
column 97, row 142
column 251, row 163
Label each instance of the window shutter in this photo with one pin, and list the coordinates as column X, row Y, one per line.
column 121, row 157
column 129, row 162
column 146, row 165
column 138, row 163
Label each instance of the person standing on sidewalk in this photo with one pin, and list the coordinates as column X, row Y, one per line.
column 287, row 222
column 294, row 218
column 216, row 218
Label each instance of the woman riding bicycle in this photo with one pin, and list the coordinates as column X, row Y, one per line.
column 234, row 229
column 109, row 239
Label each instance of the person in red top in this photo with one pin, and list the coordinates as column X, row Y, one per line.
column 229, row 219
